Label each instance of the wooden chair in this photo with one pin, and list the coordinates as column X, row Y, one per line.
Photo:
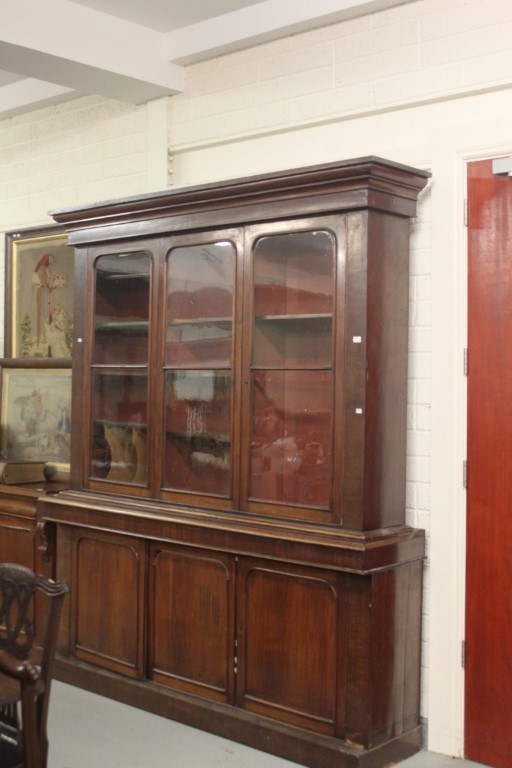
column 26, row 664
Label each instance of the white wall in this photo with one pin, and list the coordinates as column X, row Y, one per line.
column 420, row 52
column 429, row 84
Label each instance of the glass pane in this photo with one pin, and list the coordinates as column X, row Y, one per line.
column 207, row 343
column 291, row 449
column 121, row 322
column 119, row 426
column 293, row 299
column 198, row 431
column 295, row 341
column 200, row 305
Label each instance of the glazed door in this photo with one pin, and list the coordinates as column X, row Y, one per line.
column 488, row 672
column 200, row 368
column 289, row 367
column 120, row 351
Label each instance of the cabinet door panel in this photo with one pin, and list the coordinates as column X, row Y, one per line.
column 287, row 644
column 191, row 621
column 108, row 590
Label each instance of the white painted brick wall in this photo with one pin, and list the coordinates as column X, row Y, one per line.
column 80, row 151
column 85, row 150
column 418, row 52
column 419, row 402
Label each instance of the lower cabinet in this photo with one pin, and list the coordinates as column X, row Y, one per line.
column 306, row 649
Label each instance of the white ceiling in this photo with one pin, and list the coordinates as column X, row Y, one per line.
column 135, row 50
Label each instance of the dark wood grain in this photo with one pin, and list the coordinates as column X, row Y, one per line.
column 191, row 620
column 287, row 665
column 109, row 572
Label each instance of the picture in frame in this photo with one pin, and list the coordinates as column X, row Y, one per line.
column 36, row 414
column 39, row 294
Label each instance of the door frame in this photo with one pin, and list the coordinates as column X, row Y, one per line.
column 447, row 541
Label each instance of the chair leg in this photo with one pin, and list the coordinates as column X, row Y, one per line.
column 31, row 749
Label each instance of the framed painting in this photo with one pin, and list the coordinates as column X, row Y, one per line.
column 39, row 294
column 36, row 414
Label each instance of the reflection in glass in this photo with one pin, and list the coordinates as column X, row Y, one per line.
column 198, row 357
column 301, row 341
column 293, row 273
column 291, row 371
column 293, row 299
column 119, row 426
column 291, row 450
column 121, row 322
column 198, row 431
column 200, row 305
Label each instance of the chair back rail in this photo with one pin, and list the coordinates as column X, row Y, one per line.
column 22, row 660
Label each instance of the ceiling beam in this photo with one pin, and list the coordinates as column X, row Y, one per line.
column 262, row 22
column 28, row 94
column 82, row 49
column 58, row 49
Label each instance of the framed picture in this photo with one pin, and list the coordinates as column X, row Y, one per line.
column 39, row 294
column 36, row 414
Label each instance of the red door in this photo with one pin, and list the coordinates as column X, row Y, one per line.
column 488, row 672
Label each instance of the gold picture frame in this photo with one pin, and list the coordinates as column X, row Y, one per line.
column 35, row 414
column 39, row 294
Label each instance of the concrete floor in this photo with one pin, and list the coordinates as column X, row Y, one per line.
column 89, row 731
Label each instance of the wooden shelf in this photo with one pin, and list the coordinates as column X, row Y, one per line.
column 213, row 436
column 228, row 321
column 300, row 317
column 123, row 326
column 119, row 423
